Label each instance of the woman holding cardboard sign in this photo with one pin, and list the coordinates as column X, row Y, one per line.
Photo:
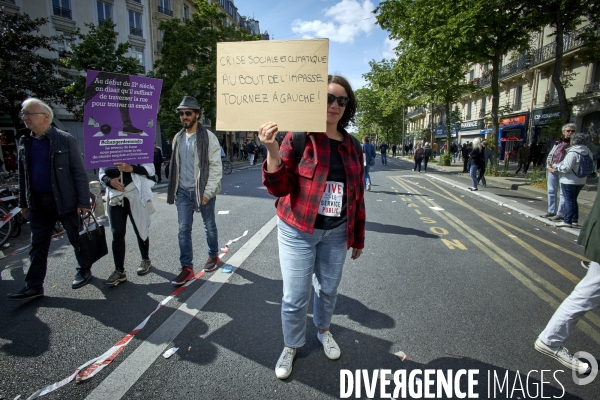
column 321, row 210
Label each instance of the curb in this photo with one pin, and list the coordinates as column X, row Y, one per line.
column 526, row 211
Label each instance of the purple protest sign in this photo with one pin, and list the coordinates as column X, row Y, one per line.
column 119, row 118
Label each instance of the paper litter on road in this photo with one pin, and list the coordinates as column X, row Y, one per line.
column 170, row 352
column 393, row 201
column 401, row 355
column 236, row 186
column 379, row 200
column 227, row 269
column 530, row 201
column 511, row 236
column 437, row 208
column 539, row 197
column 224, row 212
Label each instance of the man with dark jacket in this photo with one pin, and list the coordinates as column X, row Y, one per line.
column 158, row 160
column 585, row 297
column 464, row 151
column 53, row 186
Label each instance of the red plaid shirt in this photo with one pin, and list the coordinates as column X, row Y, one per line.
column 299, row 186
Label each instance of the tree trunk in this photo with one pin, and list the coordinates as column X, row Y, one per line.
column 495, row 104
column 448, row 131
column 557, row 71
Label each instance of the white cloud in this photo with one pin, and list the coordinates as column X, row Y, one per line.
column 343, row 22
column 388, row 48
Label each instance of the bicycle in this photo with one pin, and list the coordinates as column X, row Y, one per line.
column 10, row 214
column 227, row 166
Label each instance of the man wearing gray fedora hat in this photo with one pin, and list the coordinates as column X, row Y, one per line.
column 194, row 182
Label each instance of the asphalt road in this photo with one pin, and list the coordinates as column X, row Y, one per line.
column 447, row 277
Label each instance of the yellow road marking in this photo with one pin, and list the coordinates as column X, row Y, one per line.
column 505, row 260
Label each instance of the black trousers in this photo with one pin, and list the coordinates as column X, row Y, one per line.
column 425, row 162
column 42, row 221
column 158, row 172
column 118, row 225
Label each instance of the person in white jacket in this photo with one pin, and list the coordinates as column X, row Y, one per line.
column 570, row 183
column 128, row 194
column 195, row 180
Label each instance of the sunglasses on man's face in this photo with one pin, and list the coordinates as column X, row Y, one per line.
column 570, row 130
column 186, row 113
column 341, row 100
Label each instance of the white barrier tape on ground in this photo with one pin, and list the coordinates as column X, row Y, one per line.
column 4, row 199
column 97, row 364
column 9, row 216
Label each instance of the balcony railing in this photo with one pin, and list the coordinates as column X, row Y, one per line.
column 61, row 12
column 589, row 89
column 416, row 111
column 165, row 11
column 520, row 64
column 547, row 52
column 9, row 1
column 468, row 117
column 534, row 57
column 137, row 1
column 481, row 113
column 159, row 45
column 517, row 106
column 135, row 31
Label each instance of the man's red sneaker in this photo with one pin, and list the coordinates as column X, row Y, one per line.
column 186, row 274
column 211, row 264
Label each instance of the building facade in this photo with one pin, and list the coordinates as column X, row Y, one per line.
column 137, row 22
column 528, row 100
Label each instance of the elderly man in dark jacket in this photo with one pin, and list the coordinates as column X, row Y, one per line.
column 53, row 186
column 585, row 297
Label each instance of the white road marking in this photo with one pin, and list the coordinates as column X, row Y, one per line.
column 115, row 385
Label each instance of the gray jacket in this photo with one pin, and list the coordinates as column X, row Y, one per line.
column 70, row 185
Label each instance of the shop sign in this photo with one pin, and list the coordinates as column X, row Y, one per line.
column 441, row 130
column 545, row 116
column 512, row 120
column 471, row 125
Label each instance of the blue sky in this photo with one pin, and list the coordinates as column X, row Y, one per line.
column 354, row 37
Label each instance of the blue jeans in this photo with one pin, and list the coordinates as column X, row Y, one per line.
column 309, row 261
column 473, row 174
column 585, row 297
column 367, row 176
column 185, row 218
column 383, row 158
column 553, row 207
column 570, row 193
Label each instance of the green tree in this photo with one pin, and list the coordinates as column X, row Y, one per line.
column 475, row 31
column 98, row 50
column 566, row 17
column 188, row 62
column 23, row 71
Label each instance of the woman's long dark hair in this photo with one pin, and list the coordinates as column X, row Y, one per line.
column 351, row 107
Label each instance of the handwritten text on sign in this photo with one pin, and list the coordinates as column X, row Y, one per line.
column 280, row 81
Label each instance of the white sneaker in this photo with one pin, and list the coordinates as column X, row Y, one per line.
column 332, row 350
column 368, row 186
column 283, row 369
column 563, row 356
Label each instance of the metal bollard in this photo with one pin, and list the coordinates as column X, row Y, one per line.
column 96, row 189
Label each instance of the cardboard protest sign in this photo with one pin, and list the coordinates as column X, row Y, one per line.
column 283, row 81
column 119, row 118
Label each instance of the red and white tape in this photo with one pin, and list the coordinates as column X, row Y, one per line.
column 97, row 364
column 9, row 216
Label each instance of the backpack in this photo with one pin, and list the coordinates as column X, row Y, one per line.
column 299, row 143
column 559, row 153
column 427, row 151
column 586, row 165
